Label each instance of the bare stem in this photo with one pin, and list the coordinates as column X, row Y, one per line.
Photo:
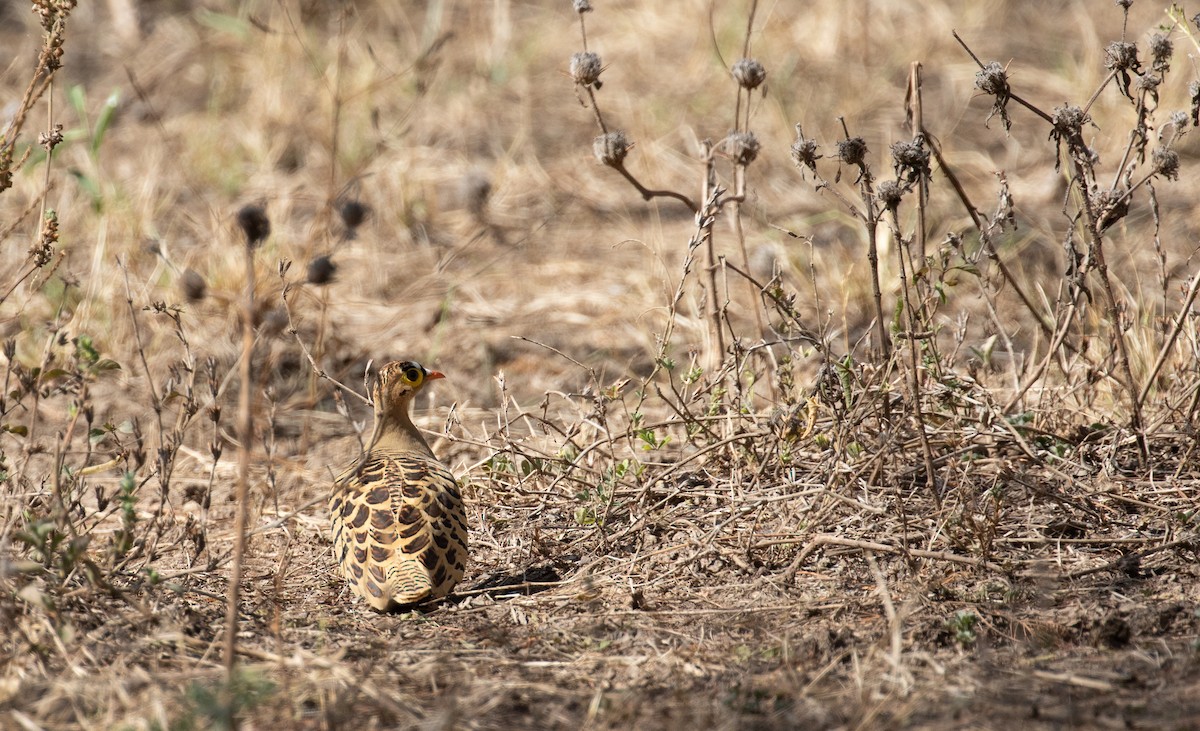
column 914, row 361
column 648, row 193
column 245, row 437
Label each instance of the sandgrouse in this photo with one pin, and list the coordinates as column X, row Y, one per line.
column 399, row 529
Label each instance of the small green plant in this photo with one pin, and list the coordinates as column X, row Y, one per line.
column 122, row 540
column 586, row 514
column 60, row 554
column 218, row 705
column 962, row 626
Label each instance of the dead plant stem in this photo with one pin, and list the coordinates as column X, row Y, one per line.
column 914, row 361
column 246, row 441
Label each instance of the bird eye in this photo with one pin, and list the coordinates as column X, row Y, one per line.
column 412, row 375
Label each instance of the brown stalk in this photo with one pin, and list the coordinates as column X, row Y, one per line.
column 1096, row 241
column 1180, row 321
column 710, row 190
column 916, row 124
column 245, row 438
column 914, row 360
column 871, row 220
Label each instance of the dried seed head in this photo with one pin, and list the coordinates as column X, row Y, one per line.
column 1125, row 4
column 42, row 250
column 852, row 151
column 254, row 223
column 1166, row 163
column 1194, row 93
column 742, row 147
column 992, row 79
column 321, row 270
column 1121, row 56
column 1111, row 205
column 474, row 189
column 353, row 213
column 586, row 68
column 1178, row 120
column 582, row 6
column 911, row 160
column 6, row 163
column 1068, row 124
column 749, row 73
column 611, row 148
column 1161, row 50
column 805, row 152
column 51, row 11
column 1069, row 119
column 53, row 138
column 193, row 285
column 1196, row 21
column 890, row 193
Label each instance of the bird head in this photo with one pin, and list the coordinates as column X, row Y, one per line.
column 398, row 382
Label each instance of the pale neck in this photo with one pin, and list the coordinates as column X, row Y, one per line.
column 395, row 432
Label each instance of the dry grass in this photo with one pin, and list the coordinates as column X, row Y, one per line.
column 976, row 532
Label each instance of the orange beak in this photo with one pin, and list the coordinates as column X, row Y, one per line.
column 434, row 375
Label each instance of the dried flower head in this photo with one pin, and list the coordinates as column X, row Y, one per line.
column 1161, row 50
column 51, row 139
column 586, row 68
column 321, row 270
column 1166, row 163
column 254, row 224
column 890, row 193
column 611, row 148
column 50, row 12
column 749, row 73
column 805, row 152
column 42, row 250
column 193, row 285
column 474, row 189
column 992, row 80
column 1178, row 120
column 353, row 213
column 852, row 151
column 1124, row 4
column 742, row 147
column 6, row 163
column 911, row 160
column 1068, row 121
column 1122, row 57
column 1111, row 206
column 582, row 6
column 1194, row 94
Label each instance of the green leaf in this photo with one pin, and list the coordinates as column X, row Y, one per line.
column 107, row 112
column 224, row 23
column 78, row 98
column 86, row 349
column 106, row 364
column 89, row 186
